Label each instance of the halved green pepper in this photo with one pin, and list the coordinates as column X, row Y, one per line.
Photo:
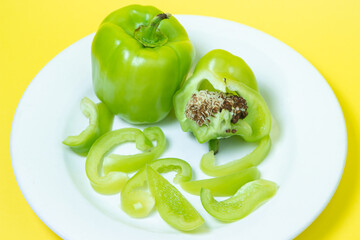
column 100, row 122
column 113, row 181
column 135, row 200
column 222, row 186
column 171, row 204
column 221, row 99
column 246, row 199
column 139, row 60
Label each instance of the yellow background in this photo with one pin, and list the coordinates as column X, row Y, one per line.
column 326, row 32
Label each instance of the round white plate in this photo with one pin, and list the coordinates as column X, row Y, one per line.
column 306, row 159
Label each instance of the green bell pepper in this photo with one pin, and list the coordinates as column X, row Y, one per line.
column 245, row 200
column 222, row 186
column 131, row 163
column 221, row 99
column 113, row 181
column 100, row 122
column 135, row 200
column 171, row 204
column 139, row 61
column 208, row 166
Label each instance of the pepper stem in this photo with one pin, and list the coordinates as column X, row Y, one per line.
column 151, row 36
column 214, row 145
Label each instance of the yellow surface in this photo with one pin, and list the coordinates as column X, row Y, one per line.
column 326, row 32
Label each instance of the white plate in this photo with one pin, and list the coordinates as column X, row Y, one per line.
column 306, row 159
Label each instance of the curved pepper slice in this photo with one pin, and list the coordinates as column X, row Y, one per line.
column 247, row 198
column 254, row 158
column 222, row 186
column 114, row 181
column 221, row 99
column 135, row 200
column 171, row 204
column 131, row 163
column 100, row 122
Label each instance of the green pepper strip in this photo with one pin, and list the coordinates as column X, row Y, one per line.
column 100, row 122
column 114, row 181
column 254, row 158
column 131, row 163
column 135, row 200
column 222, row 186
column 171, row 204
column 245, row 200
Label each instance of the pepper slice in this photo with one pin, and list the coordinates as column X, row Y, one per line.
column 114, row 181
column 221, row 99
column 222, row 186
column 171, row 204
column 100, row 122
column 254, row 158
column 135, row 200
column 247, row 198
column 131, row 163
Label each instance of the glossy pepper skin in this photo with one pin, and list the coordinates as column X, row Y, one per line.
column 220, row 71
column 139, row 59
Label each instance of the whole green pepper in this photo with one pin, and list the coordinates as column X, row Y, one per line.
column 221, row 99
column 139, row 61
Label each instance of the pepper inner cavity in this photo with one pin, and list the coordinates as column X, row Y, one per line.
column 205, row 104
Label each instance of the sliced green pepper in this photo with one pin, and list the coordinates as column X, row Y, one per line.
column 254, row 158
column 100, row 122
column 171, row 204
column 140, row 56
column 131, row 163
column 222, row 186
column 135, row 200
column 221, row 99
column 246, row 199
column 114, row 181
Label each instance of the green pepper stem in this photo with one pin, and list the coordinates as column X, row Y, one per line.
column 214, row 145
column 151, row 36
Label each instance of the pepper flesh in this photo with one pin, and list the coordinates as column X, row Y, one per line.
column 135, row 200
column 131, row 163
column 254, row 158
column 222, row 186
column 245, row 200
column 100, row 122
column 138, row 62
column 220, row 71
column 171, row 204
column 113, row 181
